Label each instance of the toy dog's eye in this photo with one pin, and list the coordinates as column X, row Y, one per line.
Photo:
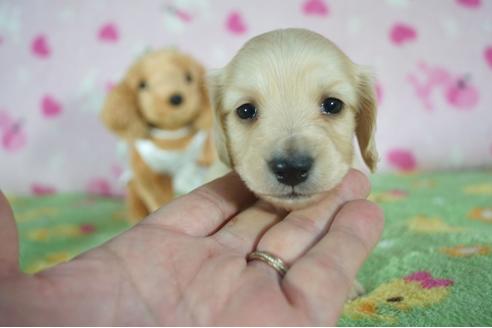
column 246, row 111
column 331, row 106
column 142, row 85
column 188, row 77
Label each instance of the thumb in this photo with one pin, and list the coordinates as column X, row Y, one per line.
column 9, row 243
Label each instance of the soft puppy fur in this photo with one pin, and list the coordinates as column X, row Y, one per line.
column 160, row 108
column 287, row 108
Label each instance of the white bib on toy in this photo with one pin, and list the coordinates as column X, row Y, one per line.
column 181, row 164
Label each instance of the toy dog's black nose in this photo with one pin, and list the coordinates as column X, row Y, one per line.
column 292, row 170
column 176, row 99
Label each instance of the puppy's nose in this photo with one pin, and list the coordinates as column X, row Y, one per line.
column 176, row 99
column 291, row 171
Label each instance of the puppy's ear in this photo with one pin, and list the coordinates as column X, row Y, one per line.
column 366, row 119
column 120, row 112
column 215, row 89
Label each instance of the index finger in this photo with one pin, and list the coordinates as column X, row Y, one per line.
column 320, row 281
column 205, row 209
column 9, row 247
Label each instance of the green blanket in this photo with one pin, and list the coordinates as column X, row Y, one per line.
column 433, row 265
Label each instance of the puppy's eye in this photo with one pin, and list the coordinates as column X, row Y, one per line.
column 331, row 106
column 188, row 77
column 142, row 85
column 246, row 111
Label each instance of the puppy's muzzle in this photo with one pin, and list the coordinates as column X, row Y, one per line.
column 291, row 170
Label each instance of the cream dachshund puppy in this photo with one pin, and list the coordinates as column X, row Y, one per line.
column 287, row 108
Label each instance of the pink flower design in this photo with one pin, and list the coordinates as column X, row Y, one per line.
column 398, row 193
column 39, row 189
column 99, row 187
column 427, row 281
column 87, row 228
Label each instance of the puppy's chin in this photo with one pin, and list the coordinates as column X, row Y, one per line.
column 293, row 202
column 301, row 199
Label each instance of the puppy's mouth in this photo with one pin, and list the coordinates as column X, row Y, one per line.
column 293, row 195
column 291, row 200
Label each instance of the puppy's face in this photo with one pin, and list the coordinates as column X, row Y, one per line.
column 287, row 107
column 168, row 87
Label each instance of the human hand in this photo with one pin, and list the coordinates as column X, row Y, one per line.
column 186, row 264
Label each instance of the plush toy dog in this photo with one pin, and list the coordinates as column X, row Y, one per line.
column 162, row 112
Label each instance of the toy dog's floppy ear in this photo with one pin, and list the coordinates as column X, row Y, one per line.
column 366, row 119
column 204, row 120
column 120, row 112
column 215, row 89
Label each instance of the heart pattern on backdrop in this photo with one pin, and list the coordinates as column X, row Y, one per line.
column 315, row 8
column 427, row 281
column 40, row 47
column 235, row 23
column 470, row 3
column 109, row 33
column 48, row 62
column 402, row 159
column 402, row 33
column 40, row 189
column 488, row 56
column 50, row 107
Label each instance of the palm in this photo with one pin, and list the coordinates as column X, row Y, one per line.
column 179, row 268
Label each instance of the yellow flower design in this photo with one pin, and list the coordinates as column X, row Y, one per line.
column 37, row 213
column 45, row 234
column 120, row 215
column 388, row 196
column 481, row 214
column 48, row 261
column 419, row 289
column 462, row 250
column 424, row 224
column 479, row 189
column 424, row 183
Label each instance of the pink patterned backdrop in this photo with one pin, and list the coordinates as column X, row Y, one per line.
column 433, row 61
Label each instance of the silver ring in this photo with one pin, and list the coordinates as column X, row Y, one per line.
column 270, row 259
